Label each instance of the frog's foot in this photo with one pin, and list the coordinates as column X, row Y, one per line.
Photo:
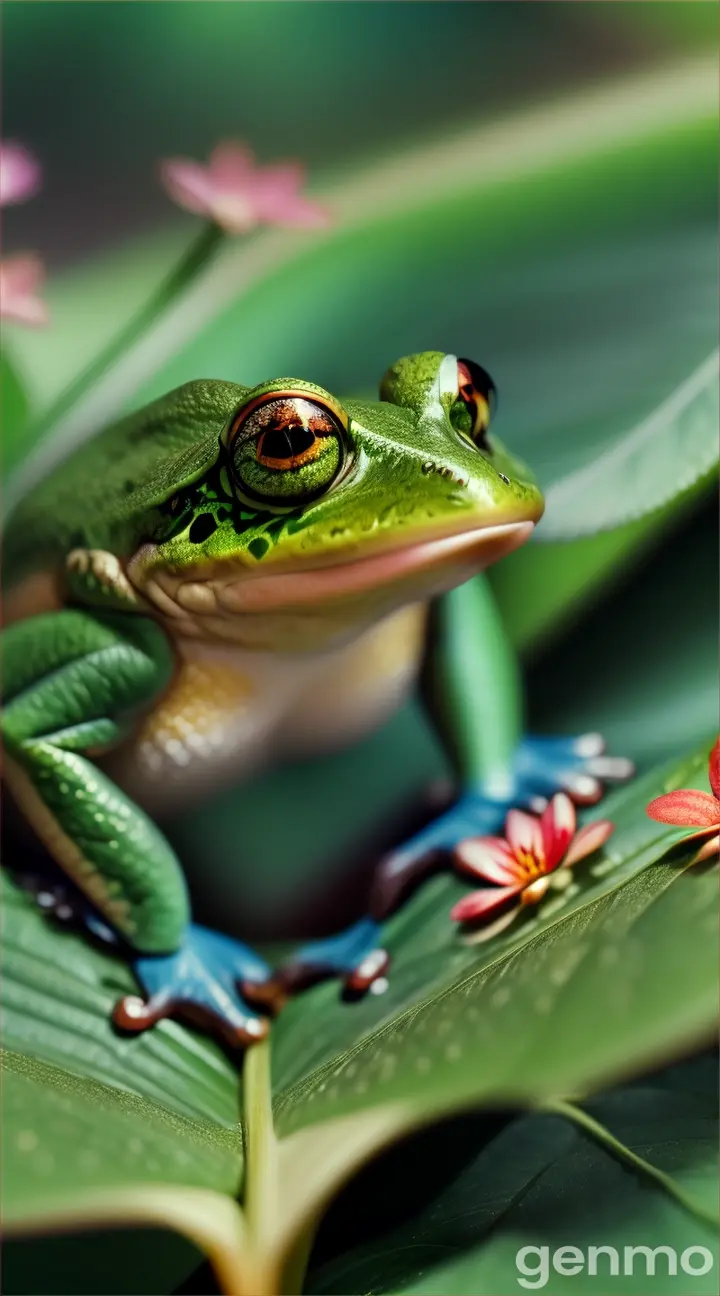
column 577, row 766
column 354, row 956
column 203, row 982
column 543, row 766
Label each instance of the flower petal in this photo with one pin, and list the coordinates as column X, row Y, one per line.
column 483, row 904
column 524, row 835
column 20, row 174
column 686, row 808
column 237, row 195
column 283, row 180
column 231, row 164
column 490, row 858
column 297, row 213
column 589, row 839
column 557, row 826
column 188, row 184
column 714, row 769
column 20, row 276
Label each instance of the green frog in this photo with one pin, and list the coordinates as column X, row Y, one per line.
column 232, row 576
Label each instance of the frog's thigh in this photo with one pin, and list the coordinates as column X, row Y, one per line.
column 68, row 677
column 357, row 687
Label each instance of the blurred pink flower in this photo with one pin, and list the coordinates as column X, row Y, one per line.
column 20, row 277
column 237, row 195
column 20, row 174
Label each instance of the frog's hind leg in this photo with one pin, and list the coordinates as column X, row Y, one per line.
column 71, row 679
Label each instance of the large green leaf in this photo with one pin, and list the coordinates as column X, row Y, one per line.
column 480, row 1194
column 79, row 1154
column 507, row 1021
column 652, row 463
column 607, row 976
column 67, row 1136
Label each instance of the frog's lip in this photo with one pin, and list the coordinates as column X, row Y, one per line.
column 424, row 569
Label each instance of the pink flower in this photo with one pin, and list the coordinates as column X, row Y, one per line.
column 237, row 195
column 20, row 277
column 20, row 175
column 690, row 808
column 519, row 864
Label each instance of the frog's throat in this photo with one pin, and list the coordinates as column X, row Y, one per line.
column 207, row 601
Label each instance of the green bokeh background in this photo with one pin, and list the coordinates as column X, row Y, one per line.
column 102, row 90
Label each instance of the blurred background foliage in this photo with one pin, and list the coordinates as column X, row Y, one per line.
column 101, row 92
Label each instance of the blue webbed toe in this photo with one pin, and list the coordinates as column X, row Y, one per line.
column 202, row 982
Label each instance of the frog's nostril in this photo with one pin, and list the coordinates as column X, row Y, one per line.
column 504, row 478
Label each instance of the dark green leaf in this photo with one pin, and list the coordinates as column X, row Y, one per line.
column 132, row 1262
column 66, row 1136
column 538, row 1182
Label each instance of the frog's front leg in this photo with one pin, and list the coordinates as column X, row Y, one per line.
column 72, row 679
column 474, row 694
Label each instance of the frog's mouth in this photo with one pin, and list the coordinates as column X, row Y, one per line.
column 395, row 567
column 208, row 600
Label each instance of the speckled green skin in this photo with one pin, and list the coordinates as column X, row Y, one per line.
column 73, row 677
column 409, row 471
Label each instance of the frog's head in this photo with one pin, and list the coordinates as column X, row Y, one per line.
column 317, row 516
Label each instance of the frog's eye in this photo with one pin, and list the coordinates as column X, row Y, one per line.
column 475, row 402
column 286, row 448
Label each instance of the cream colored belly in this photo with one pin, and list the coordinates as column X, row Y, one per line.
column 230, row 712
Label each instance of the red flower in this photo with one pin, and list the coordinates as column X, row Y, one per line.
column 690, row 808
column 520, row 864
column 237, row 195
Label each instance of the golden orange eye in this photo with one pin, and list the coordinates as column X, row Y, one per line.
column 286, row 448
column 475, row 402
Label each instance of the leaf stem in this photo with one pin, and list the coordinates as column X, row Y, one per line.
column 559, row 1107
column 193, row 260
column 261, row 1166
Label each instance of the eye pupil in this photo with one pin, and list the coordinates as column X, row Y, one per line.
column 285, row 442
